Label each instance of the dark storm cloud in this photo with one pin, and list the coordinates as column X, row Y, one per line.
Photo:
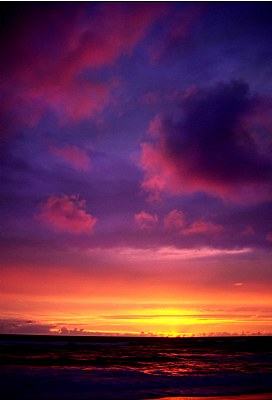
column 211, row 145
column 213, row 134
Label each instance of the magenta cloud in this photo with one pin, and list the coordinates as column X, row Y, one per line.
column 211, row 146
column 67, row 213
column 145, row 220
column 202, row 227
column 175, row 219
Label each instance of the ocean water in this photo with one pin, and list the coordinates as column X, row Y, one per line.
column 130, row 368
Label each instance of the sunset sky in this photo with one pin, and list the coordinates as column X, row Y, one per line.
column 136, row 154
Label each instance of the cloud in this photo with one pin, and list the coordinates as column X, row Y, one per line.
column 174, row 253
column 21, row 326
column 67, row 213
column 74, row 156
column 176, row 31
column 202, row 227
column 65, row 331
column 175, row 219
column 145, row 220
column 210, row 146
column 52, row 56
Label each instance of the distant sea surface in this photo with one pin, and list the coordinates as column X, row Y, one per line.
column 130, row 368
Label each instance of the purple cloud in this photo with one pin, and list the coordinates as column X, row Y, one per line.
column 208, row 146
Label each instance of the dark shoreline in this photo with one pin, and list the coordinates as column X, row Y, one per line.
column 117, row 337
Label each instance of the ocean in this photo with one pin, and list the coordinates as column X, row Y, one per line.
column 133, row 368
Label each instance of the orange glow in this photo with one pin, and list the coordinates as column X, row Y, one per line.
column 91, row 301
column 136, row 180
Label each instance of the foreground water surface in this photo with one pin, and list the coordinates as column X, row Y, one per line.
column 85, row 368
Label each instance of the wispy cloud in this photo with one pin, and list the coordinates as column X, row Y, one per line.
column 50, row 69
column 74, row 156
column 202, row 227
column 177, row 29
column 169, row 253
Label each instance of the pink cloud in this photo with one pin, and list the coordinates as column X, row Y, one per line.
column 70, row 100
column 159, row 175
column 145, row 220
column 114, row 30
column 74, row 156
column 67, row 213
column 202, row 227
column 175, row 219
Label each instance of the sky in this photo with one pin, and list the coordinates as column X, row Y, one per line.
column 136, row 159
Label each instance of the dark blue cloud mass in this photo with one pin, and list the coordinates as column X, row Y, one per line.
column 213, row 144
